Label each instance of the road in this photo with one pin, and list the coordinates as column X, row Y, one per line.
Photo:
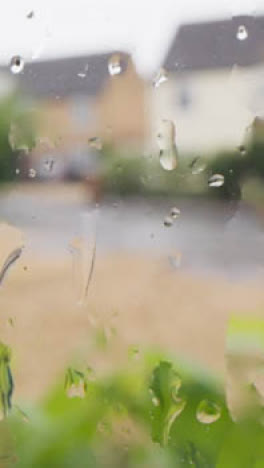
column 208, row 237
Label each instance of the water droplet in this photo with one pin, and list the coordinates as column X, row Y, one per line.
column 216, row 180
column 168, row 160
column 48, row 164
column 197, row 166
column 175, row 212
column 175, row 260
column 95, row 142
column 11, row 322
column 16, row 64
column 175, row 411
column 10, row 260
column 160, row 77
column 242, row 33
column 22, row 414
column 32, row 173
column 155, row 401
column 208, row 412
column 166, row 142
column 17, row 171
column 30, row 15
column 133, row 352
column 168, row 221
column 242, row 150
column 75, row 383
column 83, row 249
column 114, row 65
column 83, row 73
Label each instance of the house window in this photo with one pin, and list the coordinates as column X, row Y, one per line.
column 81, row 111
column 184, row 99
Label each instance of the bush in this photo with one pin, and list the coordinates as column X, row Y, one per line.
column 13, row 118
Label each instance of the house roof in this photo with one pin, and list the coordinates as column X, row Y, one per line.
column 83, row 75
column 211, row 45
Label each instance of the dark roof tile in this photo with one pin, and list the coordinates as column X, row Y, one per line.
column 215, row 44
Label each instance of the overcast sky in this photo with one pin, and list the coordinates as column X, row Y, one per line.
column 143, row 27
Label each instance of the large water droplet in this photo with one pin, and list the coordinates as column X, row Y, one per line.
column 216, row 180
column 208, row 412
column 16, row 64
column 168, row 159
column 114, row 65
column 160, row 77
column 175, row 212
column 166, row 142
column 32, row 173
column 242, row 33
column 168, row 221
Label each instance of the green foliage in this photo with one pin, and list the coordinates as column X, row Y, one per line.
column 6, row 381
column 111, row 425
column 13, row 114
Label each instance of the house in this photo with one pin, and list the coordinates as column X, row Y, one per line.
column 84, row 98
column 215, row 85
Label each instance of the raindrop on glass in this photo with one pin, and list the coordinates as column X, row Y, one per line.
column 175, row 260
column 48, row 164
column 208, row 412
column 155, row 401
column 166, row 142
column 114, row 65
column 30, row 15
column 242, row 150
column 197, row 166
column 175, row 212
column 168, row 221
column 95, row 142
column 216, row 180
column 16, row 64
column 32, row 173
column 160, row 77
column 242, row 33
column 11, row 322
column 17, row 171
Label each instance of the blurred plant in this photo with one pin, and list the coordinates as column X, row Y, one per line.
column 111, row 424
column 16, row 134
column 6, row 381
